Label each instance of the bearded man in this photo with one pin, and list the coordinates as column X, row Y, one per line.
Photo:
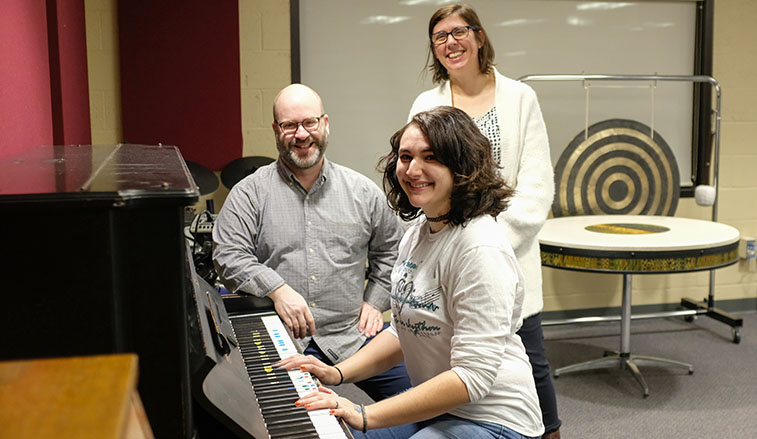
column 300, row 231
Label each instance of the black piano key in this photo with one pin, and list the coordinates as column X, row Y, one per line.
column 284, row 389
column 279, row 390
column 303, row 425
column 281, row 405
column 255, row 372
column 283, row 411
column 253, row 354
column 261, row 376
column 270, row 377
column 270, row 397
column 276, row 426
column 296, row 436
column 274, row 401
column 270, row 381
column 256, row 355
column 257, row 342
column 286, row 418
column 253, row 341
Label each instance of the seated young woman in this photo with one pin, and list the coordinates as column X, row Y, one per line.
column 457, row 294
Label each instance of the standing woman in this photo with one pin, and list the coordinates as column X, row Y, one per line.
column 461, row 59
column 456, row 299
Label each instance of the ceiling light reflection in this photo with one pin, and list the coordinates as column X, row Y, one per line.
column 425, row 2
column 603, row 6
column 521, row 22
column 383, row 19
column 577, row 21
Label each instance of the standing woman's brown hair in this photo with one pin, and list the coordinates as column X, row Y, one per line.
column 485, row 54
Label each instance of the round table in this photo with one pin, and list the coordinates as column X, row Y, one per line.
column 634, row 244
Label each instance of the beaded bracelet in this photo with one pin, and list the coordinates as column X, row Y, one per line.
column 341, row 376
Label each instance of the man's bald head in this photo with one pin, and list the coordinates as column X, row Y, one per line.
column 296, row 94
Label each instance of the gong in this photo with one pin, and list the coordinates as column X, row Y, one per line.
column 617, row 166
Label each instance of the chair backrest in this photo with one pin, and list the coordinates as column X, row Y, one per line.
column 616, row 166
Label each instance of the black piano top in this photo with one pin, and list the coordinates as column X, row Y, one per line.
column 123, row 174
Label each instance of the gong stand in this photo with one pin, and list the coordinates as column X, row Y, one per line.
column 618, row 193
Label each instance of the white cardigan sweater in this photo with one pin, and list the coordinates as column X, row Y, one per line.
column 525, row 164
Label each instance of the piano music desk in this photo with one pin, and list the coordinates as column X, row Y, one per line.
column 76, row 397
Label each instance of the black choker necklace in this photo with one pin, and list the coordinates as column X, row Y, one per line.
column 438, row 219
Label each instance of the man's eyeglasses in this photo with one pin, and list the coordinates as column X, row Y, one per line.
column 457, row 33
column 310, row 124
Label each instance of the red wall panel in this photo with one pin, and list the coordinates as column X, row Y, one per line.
column 180, row 77
column 25, row 108
column 68, row 72
column 44, row 97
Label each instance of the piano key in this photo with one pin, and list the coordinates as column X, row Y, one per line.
column 283, row 410
column 297, row 435
column 303, row 424
column 275, row 399
column 283, row 405
column 286, row 418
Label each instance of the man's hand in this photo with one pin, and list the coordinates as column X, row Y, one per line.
column 371, row 320
column 293, row 310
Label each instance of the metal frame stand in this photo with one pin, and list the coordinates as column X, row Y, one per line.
column 623, row 358
column 707, row 307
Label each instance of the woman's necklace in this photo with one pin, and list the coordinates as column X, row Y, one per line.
column 437, row 219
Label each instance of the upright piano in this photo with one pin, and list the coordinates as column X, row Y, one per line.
column 97, row 262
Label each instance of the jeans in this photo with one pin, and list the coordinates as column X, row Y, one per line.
column 443, row 427
column 381, row 386
column 533, row 339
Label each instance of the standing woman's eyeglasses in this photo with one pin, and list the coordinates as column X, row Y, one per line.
column 457, row 33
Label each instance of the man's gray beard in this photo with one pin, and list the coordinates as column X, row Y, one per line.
column 291, row 157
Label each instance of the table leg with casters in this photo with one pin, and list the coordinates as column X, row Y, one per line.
column 623, row 358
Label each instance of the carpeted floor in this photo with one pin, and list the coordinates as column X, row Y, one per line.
column 718, row 400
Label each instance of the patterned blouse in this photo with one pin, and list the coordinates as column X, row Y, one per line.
column 489, row 127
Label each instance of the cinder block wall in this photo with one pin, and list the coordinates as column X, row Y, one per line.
column 735, row 67
column 265, row 68
column 265, row 64
column 103, row 69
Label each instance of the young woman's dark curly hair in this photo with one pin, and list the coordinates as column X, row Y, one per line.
column 457, row 143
